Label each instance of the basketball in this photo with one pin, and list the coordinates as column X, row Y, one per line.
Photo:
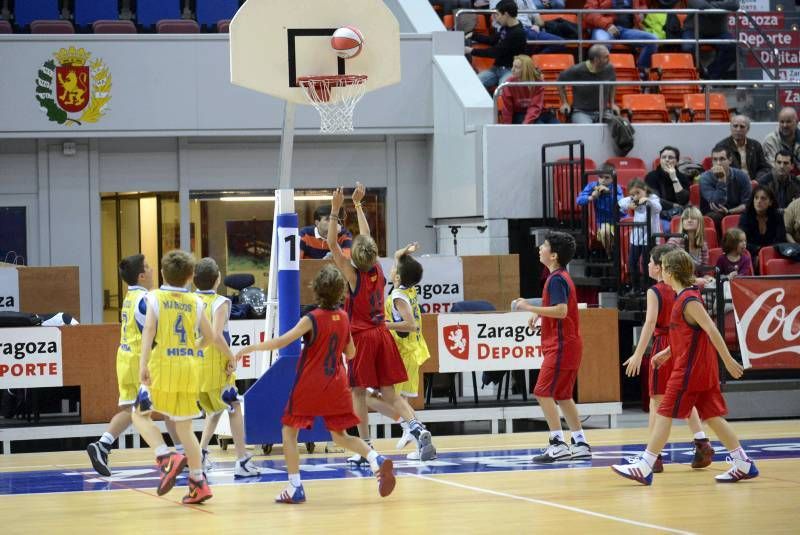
column 347, row 42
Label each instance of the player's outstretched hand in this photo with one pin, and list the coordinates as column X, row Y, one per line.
column 734, row 368
column 632, row 366
column 359, row 192
column 337, row 201
column 533, row 320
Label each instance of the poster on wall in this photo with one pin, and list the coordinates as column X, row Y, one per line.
column 9, row 289
column 442, row 282
column 244, row 333
column 248, row 244
column 30, row 357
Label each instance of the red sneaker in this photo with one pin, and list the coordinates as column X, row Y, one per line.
column 199, row 491
column 703, row 453
column 386, row 479
column 658, row 467
column 170, row 466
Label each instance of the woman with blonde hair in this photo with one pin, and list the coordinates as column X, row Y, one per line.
column 524, row 105
column 693, row 225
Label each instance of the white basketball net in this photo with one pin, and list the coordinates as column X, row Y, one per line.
column 335, row 98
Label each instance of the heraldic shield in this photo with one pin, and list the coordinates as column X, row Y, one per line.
column 72, row 87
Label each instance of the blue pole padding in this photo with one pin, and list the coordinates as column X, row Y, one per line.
column 288, row 279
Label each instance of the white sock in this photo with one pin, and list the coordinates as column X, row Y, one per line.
column 162, row 450
column 107, row 439
column 557, row 434
column 372, row 456
column 578, row 436
column 649, row 457
column 700, row 435
column 179, row 449
column 294, row 480
column 197, row 475
column 740, row 455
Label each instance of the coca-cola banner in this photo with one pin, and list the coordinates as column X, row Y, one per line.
column 768, row 320
column 481, row 342
column 442, row 282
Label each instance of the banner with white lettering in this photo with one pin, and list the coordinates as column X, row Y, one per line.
column 244, row 333
column 442, row 282
column 9, row 290
column 768, row 321
column 482, row 342
column 30, row 357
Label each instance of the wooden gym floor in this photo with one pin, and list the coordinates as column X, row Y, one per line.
column 479, row 484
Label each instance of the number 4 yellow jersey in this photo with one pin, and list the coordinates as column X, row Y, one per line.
column 174, row 364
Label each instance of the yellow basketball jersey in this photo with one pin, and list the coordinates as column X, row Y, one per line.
column 212, row 362
column 174, row 363
column 130, row 338
column 411, row 345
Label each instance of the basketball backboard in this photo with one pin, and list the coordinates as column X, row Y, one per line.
column 273, row 42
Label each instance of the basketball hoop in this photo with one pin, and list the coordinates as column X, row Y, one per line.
column 335, row 98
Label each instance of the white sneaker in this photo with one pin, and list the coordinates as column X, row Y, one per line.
column 405, row 439
column 357, row 460
column 637, row 469
column 208, row 463
column 556, row 451
column 579, row 450
column 246, row 468
column 739, row 470
column 413, row 456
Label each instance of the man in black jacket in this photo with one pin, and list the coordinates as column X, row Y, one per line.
column 712, row 27
column 504, row 44
column 747, row 154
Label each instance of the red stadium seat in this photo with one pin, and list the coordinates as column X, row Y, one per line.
column 625, row 68
column 113, row 26
column 449, row 22
column 564, row 195
column 5, row 27
column 647, row 108
column 729, row 222
column 480, row 63
column 627, row 162
column 711, row 237
column 52, row 26
column 177, row 26
column 781, row 266
column 765, row 254
column 707, row 163
column 713, row 255
column 694, row 195
column 223, row 26
column 694, row 108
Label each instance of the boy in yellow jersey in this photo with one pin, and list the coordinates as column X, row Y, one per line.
column 138, row 275
column 169, row 372
column 217, row 384
column 406, row 326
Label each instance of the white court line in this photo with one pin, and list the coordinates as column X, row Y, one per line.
column 550, row 504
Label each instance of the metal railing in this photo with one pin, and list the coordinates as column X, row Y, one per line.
column 602, row 101
column 697, row 41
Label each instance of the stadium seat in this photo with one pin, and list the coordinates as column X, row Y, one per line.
column 149, row 12
column 694, row 108
column 711, row 237
column 88, row 11
column 564, row 195
column 209, row 12
column 449, row 22
column 694, row 195
column 480, row 25
column 647, row 108
column 27, row 11
column 480, row 63
column 729, row 222
column 781, row 266
column 223, row 26
column 52, row 26
column 5, row 27
column 625, row 67
column 674, row 66
column 713, row 255
column 625, row 175
column 765, row 254
column 707, row 163
column 627, row 162
column 551, row 66
column 177, row 26
column 113, row 26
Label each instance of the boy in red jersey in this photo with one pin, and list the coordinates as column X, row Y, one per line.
column 377, row 363
column 694, row 342
column 660, row 298
column 562, row 347
column 321, row 388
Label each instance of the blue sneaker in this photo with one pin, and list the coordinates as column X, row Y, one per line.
column 291, row 494
column 739, row 470
column 638, row 470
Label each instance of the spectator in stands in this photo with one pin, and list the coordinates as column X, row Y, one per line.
column 712, row 27
column 724, row 190
column 791, row 220
column 598, row 192
column 671, row 186
column 510, row 41
column 313, row 238
column 746, row 153
column 646, row 208
column 736, row 260
column 761, row 222
column 787, row 136
column 693, row 225
column 780, row 180
column 596, row 68
column 533, row 24
column 622, row 26
column 524, row 105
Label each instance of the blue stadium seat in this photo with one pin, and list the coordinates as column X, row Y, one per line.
column 29, row 10
column 209, row 12
column 148, row 12
column 89, row 11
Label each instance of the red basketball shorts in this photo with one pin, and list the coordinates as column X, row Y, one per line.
column 678, row 403
column 377, row 362
column 555, row 383
column 335, row 422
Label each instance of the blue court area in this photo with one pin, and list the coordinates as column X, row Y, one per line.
column 313, row 468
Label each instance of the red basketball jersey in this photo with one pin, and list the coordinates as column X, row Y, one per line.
column 365, row 303
column 694, row 358
column 321, row 386
column 561, row 338
column 666, row 299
